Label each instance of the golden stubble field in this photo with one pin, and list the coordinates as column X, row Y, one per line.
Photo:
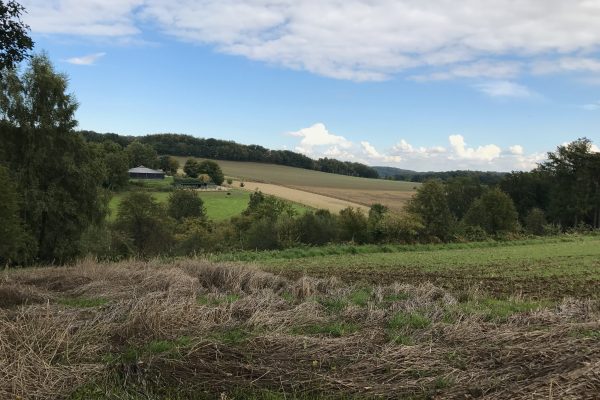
column 318, row 189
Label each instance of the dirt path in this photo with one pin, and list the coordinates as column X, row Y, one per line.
column 300, row 196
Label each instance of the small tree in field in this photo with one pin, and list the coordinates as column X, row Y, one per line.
column 430, row 203
column 494, row 211
column 353, row 225
column 169, row 165
column 192, row 168
column 186, row 204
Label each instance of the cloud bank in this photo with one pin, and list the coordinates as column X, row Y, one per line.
column 361, row 40
column 316, row 141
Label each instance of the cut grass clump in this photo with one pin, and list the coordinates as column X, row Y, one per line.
column 333, row 305
column 498, row 309
column 333, row 329
column 361, row 297
column 170, row 348
column 83, row 302
column 409, row 321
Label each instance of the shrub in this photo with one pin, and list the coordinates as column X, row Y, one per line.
column 353, row 225
column 535, row 222
column 186, row 204
column 405, row 228
column 494, row 211
column 317, row 228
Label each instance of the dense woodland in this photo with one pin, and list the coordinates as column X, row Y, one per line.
column 398, row 174
column 190, row 146
column 55, row 184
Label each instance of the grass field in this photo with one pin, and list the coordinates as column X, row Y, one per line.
column 356, row 190
column 191, row 329
column 219, row 205
column 538, row 268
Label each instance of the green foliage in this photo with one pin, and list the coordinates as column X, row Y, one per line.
column 58, row 176
column 317, row 228
column 141, row 154
column 83, row 302
column 169, row 165
column 16, row 245
column 408, row 321
column 535, row 222
column 333, row 329
column 15, row 42
column 377, row 213
column 430, row 204
column 185, row 204
column 494, row 211
column 145, row 221
column 405, row 228
column 353, row 225
column 213, row 170
column 192, row 168
column 461, row 193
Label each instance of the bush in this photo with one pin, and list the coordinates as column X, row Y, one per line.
column 186, row 204
column 317, row 228
column 535, row 222
column 353, row 225
column 406, row 228
column 494, row 211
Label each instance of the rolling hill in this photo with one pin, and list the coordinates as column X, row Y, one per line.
column 352, row 191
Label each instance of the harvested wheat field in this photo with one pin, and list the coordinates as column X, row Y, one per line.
column 196, row 330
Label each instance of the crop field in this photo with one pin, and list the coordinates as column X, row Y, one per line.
column 192, row 329
column 348, row 188
column 539, row 268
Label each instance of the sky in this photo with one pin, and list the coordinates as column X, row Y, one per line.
column 424, row 85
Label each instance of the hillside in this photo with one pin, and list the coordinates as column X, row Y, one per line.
column 484, row 177
column 361, row 191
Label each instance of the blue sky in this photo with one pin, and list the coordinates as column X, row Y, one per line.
column 428, row 87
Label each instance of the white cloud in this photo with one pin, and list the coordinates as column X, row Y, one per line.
column 591, row 106
column 479, row 69
column 567, row 64
column 90, row 59
column 354, row 39
column 516, row 150
column 461, row 151
column 504, row 89
column 317, row 135
column 595, row 148
column 317, row 142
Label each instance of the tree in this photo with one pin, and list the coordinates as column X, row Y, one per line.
column 15, row 42
column 317, row 228
column 145, row 222
column 191, row 168
column 461, row 192
column 169, row 165
column 15, row 244
column 535, row 222
column 141, row 154
column 575, row 194
column 374, row 227
column 430, row 204
column 213, row 170
column 186, row 204
column 494, row 211
column 353, row 225
column 58, row 175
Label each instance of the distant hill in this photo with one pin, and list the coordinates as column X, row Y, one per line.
column 190, row 146
column 485, row 177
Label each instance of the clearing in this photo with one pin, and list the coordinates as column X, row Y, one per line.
column 351, row 189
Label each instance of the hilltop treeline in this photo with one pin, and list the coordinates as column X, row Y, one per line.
column 398, row 174
column 190, row 146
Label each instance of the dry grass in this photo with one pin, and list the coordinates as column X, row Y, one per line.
column 303, row 196
column 192, row 329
